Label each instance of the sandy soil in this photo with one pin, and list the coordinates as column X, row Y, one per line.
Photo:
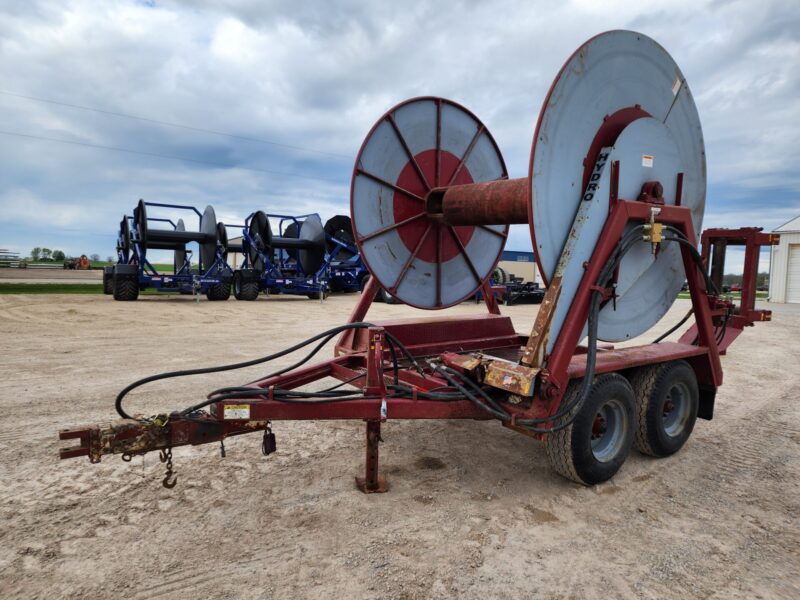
column 29, row 275
column 474, row 510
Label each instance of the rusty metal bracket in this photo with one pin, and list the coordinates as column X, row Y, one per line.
column 534, row 353
column 512, row 377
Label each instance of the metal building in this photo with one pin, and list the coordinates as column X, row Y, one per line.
column 784, row 273
column 520, row 264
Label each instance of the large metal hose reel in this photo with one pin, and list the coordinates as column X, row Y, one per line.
column 340, row 227
column 124, row 239
column 209, row 237
column 431, row 202
column 307, row 247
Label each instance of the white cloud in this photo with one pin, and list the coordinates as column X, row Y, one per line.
column 318, row 73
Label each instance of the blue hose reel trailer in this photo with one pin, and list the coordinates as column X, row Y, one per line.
column 346, row 272
column 292, row 262
column 138, row 234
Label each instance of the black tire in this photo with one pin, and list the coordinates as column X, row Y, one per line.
column 667, row 399
column 237, row 285
column 386, row 297
column 316, row 295
column 593, row 447
column 247, row 291
column 108, row 283
column 125, row 289
column 219, row 292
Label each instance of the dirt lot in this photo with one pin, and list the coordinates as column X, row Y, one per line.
column 474, row 510
column 32, row 275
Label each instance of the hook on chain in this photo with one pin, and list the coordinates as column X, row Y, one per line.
column 165, row 456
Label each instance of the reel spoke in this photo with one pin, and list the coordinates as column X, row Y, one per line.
column 411, row 157
column 438, row 265
column 391, row 186
column 410, row 260
column 467, row 152
column 388, row 228
column 464, row 253
column 438, row 177
column 501, row 234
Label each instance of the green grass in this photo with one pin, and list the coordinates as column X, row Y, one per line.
column 51, row 288
column 99, row 264
column 736, row 295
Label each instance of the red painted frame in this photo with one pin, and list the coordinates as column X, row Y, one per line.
column 360, row 356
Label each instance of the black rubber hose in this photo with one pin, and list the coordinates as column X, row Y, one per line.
column 624, row 247
column 503, row 416
column 571, row 410
column 489, row 400
column 675, row 327
column 408, row 392
column 698, row 259
column 229, row 367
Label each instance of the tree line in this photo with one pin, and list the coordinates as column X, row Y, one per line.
column 40, row 254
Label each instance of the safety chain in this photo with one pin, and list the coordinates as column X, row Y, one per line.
column 165, row 456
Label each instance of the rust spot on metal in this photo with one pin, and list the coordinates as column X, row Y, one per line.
column 471, row 364
column 511, row 377
column 533, row 354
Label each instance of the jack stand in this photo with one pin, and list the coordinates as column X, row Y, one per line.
column 372, row 483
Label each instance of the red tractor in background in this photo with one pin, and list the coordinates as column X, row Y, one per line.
column 79, row 264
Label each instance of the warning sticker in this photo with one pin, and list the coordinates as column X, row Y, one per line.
column 676, row 86
column 236, row 411
column 647, row 160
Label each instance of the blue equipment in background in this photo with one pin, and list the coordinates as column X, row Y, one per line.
column 134, row 272
column 292, row 262
column 346, row 272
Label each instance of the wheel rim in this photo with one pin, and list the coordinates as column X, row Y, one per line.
column 675, row 410
column 609, row 429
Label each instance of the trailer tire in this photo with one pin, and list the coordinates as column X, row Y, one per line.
column 108, row 282
column 219, row 292
column 244, row 290
column 593, row 447
column 386, row 297
column 316, row 295
column 667, row 399
column 125, row 290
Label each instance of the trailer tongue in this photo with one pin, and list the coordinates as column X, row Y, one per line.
column 614, row 197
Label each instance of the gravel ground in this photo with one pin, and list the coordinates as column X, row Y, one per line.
column 474, row 510
column 8, row 275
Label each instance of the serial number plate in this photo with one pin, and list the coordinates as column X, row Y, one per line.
column 236, row 411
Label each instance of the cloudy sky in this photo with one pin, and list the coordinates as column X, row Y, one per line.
column 296, row 86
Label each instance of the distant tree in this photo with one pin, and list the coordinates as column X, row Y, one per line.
column 36, row 253
column 46, row 253
column 731, row 278
column 762, row 279
column 110, row 259
column 58, row 255
column 94, row 257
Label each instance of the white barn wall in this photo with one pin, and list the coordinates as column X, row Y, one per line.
column 778, row 271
